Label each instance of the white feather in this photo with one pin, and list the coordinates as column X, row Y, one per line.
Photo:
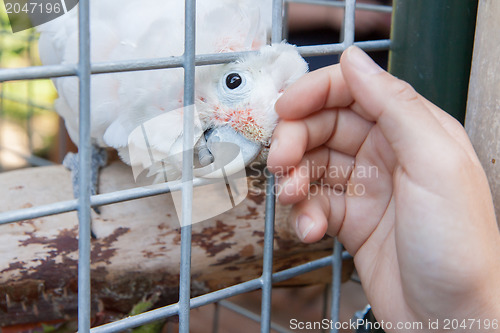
column 126, row 29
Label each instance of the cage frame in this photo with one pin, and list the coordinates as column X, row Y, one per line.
column 84, row 70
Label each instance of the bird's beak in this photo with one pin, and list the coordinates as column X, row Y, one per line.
column 222, row 145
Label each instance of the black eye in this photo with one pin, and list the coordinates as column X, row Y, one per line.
column 233, row 80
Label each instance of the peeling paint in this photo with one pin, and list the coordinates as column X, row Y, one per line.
column 151, row 254
column 64, row 243
column 232, row 268
column 228, row 259
column 247, row 251
column 285, row 244
column 252, row 214
column 206, row 239
column 101, row 248
column 19, row 265
column 258, row 233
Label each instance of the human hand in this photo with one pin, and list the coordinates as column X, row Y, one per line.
column 397, row 180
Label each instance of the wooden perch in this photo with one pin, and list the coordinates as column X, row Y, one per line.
column 137, row 250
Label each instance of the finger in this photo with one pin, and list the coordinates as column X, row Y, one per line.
column 343, row 131
column 323, row 211
column 454, row 129
column 338, row 170
column 324, row 166
column 294, row 185
column 350, row 132
column 322, row 89
column 291, row 139
column 405, row 121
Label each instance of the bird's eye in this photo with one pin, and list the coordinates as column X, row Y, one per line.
column 234, row 86
column 233, row 80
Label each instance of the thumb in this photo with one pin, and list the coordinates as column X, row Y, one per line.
column 404, row 117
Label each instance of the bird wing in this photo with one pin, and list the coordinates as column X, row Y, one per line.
column 126, row 29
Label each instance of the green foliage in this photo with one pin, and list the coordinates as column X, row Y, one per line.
column 65, row 327
column 21, row 50
column 28, row 101
column 145, row 305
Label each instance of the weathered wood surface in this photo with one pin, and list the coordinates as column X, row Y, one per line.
column 137, row 250
column 483, row 105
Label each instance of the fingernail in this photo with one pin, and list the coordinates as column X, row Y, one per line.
column 362, row 61
column 303, row 226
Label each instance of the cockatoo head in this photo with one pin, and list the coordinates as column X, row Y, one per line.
column 234, row 104
column 235, row 101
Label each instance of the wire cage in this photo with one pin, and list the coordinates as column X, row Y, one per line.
column 188, row 61
column 84, row 70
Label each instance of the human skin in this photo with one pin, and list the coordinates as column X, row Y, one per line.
column 422, row 228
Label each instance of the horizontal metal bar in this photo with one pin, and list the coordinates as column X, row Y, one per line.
column 138, row 320
column 28, row 103
column 44, row 72
column 328, row 49
column 307, row 267
column 96, row 200
column 37, row 72
column 49, row 71
column 215, row 296
column 341, row 4
column 251, row 315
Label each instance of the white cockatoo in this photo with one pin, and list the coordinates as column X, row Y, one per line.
column 234, row 102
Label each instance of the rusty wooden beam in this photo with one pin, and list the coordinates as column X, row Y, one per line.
column 137, row 250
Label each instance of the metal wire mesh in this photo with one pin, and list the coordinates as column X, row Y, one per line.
column 189, row 60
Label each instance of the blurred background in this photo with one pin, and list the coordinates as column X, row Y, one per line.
column 28, row 126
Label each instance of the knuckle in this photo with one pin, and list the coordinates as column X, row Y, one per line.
column 403, row 91
column 456, row 163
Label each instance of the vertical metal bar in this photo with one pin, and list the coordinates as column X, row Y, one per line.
column 84, row 155
column 267, row 265
column 326, row 294
column 348, row 27
column 348, row 32
column 215, row 323
column 267, row 269
column 187, row 165
column 277, row 22
column 286, row 9
column 337, row 279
